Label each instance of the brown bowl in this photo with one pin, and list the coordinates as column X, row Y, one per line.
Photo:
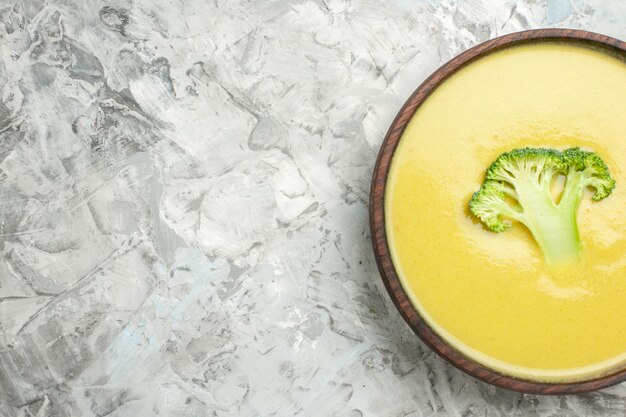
column 377, row 212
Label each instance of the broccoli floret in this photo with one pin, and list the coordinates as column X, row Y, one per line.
column 518, row 185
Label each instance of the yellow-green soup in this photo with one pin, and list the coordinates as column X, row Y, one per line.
column 489, row 295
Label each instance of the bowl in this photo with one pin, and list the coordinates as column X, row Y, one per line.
column 380, row 242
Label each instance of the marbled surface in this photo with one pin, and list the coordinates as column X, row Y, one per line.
column 183, row 206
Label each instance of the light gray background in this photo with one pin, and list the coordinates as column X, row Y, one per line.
column 183, row 206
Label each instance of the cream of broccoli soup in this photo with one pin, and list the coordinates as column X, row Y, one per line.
column 496, row 297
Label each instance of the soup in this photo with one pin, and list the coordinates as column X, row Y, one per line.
column 492, row 296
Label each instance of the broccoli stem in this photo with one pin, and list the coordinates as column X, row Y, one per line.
column 553, row 225
column 556, row 234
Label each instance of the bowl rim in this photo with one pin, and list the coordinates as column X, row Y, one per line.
column 377, row 212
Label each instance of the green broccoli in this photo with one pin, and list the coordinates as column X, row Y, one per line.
column 518, row 185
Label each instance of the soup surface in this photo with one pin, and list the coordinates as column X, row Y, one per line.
column 492, row 296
